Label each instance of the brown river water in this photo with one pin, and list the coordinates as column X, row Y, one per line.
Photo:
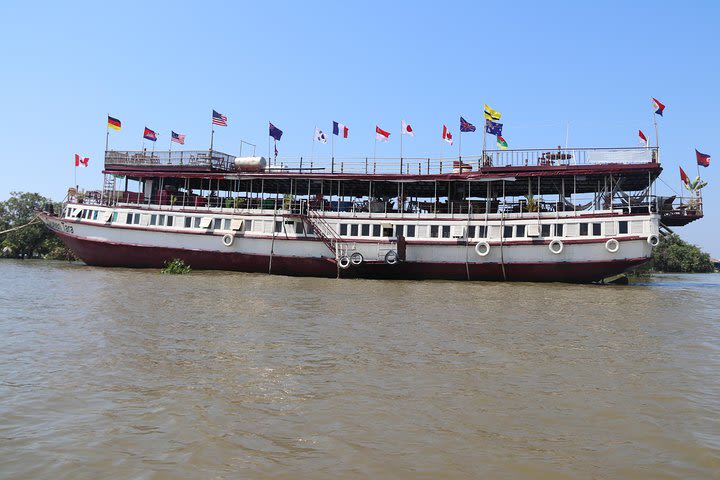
column 117, row 373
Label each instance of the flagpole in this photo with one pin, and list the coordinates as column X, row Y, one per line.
column 375, row 149
column 312, row 151
column 107, row 134
column 402, row 134
column 460, row 145
column 212, row 137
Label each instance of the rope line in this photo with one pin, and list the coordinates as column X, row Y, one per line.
column 35, row 220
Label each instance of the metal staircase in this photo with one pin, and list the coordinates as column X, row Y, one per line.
column 324, row 232
column 108, row 192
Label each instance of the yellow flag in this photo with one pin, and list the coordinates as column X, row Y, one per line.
column 491, row 114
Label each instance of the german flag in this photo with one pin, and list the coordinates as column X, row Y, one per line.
column 113, row 123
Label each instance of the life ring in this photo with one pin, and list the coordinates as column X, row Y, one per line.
column 356, row 258
column 344, row 262
column 391, row 257
column 653, row 240
column 612, row 245
column 485, row 248
column 557, row 250
column 228, row 239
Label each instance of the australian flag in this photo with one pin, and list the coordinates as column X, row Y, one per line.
column 493, row 128
column 275, row 132
column 466, row 126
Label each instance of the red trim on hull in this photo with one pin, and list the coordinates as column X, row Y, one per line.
column 121, row 255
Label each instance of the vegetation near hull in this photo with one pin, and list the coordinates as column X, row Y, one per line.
column 176, row 267
column 674, row 255
column 33, row 240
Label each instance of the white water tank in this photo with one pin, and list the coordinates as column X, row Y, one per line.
column 250, row 164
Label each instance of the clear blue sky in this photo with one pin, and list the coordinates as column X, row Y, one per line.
column 301, row 64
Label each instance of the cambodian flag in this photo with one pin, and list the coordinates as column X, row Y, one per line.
column 659, row 107
column 149, row 135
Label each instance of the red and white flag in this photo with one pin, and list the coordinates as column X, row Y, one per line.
column 407, row 129
column 81, row 161
column 381, row 135
column 643, row 138
column 447, row 136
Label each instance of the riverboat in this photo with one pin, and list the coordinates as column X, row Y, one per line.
column 559, row 214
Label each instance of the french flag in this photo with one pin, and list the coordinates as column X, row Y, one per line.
column 340, row 130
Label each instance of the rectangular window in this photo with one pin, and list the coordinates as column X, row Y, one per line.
column 583, row 229
column 169, row 221
column 114, row 216
column 299, row 228
column 343, row 229
column 188, row 222
column 558, row 229
column 153, row 219
column 196, row 222
column 482, row 231
column 95, row 214
column 520, row 231
column 129, row 218
column 217, row 224
column 596, row 229
column 446, row 231
column 161, row 220
column 365, row 229
column 399, row 230
column 353, row 230
column 434, row 229
column 278, row 227
column 544, row 230
column 471, row 231
column 623, row 226
column 376, row 230
column 227, row 224
column 410, row 231
column 507, row 232
column 136, row 220
column 248, row 223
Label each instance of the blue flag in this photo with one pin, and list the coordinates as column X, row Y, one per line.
column 466, row 126
column 275, row 132
column 493, row 128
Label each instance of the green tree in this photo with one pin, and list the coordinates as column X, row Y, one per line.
column 675, row 255
column 33, row 240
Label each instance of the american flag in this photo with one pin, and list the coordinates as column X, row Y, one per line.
column 177, row 138
column 219, row 119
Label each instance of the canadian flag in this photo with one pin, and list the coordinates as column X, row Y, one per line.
column 381, row 135
column 407, row 129
column 447, row 136
column 643, row 138
column 81, row 161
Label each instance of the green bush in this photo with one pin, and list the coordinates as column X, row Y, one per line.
column 677, row 256
column 176, row 267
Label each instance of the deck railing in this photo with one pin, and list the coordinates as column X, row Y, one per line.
column 213, row 160
column 208, row 159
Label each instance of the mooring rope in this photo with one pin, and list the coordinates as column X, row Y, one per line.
column 35, row 220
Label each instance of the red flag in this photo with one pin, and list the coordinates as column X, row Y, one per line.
column 684, row 177
column 643, row 138
column 446, row 135
column 658, row 107
column 702, row 159
column 381, row 135
column 81, row 161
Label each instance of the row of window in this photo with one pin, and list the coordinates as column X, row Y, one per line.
column 373, row 229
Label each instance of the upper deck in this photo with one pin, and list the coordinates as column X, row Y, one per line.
column 493, row 163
